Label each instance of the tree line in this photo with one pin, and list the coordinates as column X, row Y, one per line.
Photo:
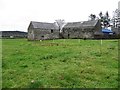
column 105, row 19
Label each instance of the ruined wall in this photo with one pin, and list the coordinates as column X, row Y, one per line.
column 78, row 33
column 41, row 34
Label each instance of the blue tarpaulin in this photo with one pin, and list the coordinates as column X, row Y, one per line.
column 107, row 31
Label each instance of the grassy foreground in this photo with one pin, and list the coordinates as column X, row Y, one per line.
column 69, row 63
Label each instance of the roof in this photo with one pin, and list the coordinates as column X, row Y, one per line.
column 10, row 33
column 90, row 23
column 82, row 24
column 43, row 25
column 73, row 24
column 16, row 32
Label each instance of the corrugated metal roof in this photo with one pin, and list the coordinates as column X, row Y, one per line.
column 43, row 25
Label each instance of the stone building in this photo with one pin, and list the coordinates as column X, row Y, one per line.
column 42, row 31
column 86, row 29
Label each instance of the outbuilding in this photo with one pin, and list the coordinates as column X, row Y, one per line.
column 13, row 34
column 42, row 31
column 86, row 29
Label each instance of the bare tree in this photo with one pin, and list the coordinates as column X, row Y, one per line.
column 115, row 19
column 60, row 24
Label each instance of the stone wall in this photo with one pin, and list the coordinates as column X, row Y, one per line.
column 40, row 34
column 77, row 33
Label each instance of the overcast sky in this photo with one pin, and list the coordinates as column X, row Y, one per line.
column 17, row 14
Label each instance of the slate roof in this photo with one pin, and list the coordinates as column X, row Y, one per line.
column 90, row 23
column 43, row 25
column 81, row 24
column 73, row 24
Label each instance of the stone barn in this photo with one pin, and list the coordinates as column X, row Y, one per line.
column 42, row 31
column 86, row 29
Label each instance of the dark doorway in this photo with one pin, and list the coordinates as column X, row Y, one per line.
column 51, row 30
column 68, row 35
column 42, row 37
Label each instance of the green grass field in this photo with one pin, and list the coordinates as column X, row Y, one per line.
column 70, row 63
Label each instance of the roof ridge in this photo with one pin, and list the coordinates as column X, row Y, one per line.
column 41, row 22
column 82, row 23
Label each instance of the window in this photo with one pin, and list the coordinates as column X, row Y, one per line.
column 51, row 30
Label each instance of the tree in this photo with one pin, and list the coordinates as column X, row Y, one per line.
column 105, row 20
column 60, row 24
column 115, row 18
column 101, row 15
column 107, row 15
column 92, row 16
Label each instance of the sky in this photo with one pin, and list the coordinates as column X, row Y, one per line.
column 15, row 15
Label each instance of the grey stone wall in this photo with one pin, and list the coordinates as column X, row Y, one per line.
column 78, row 33
column 40, row 34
